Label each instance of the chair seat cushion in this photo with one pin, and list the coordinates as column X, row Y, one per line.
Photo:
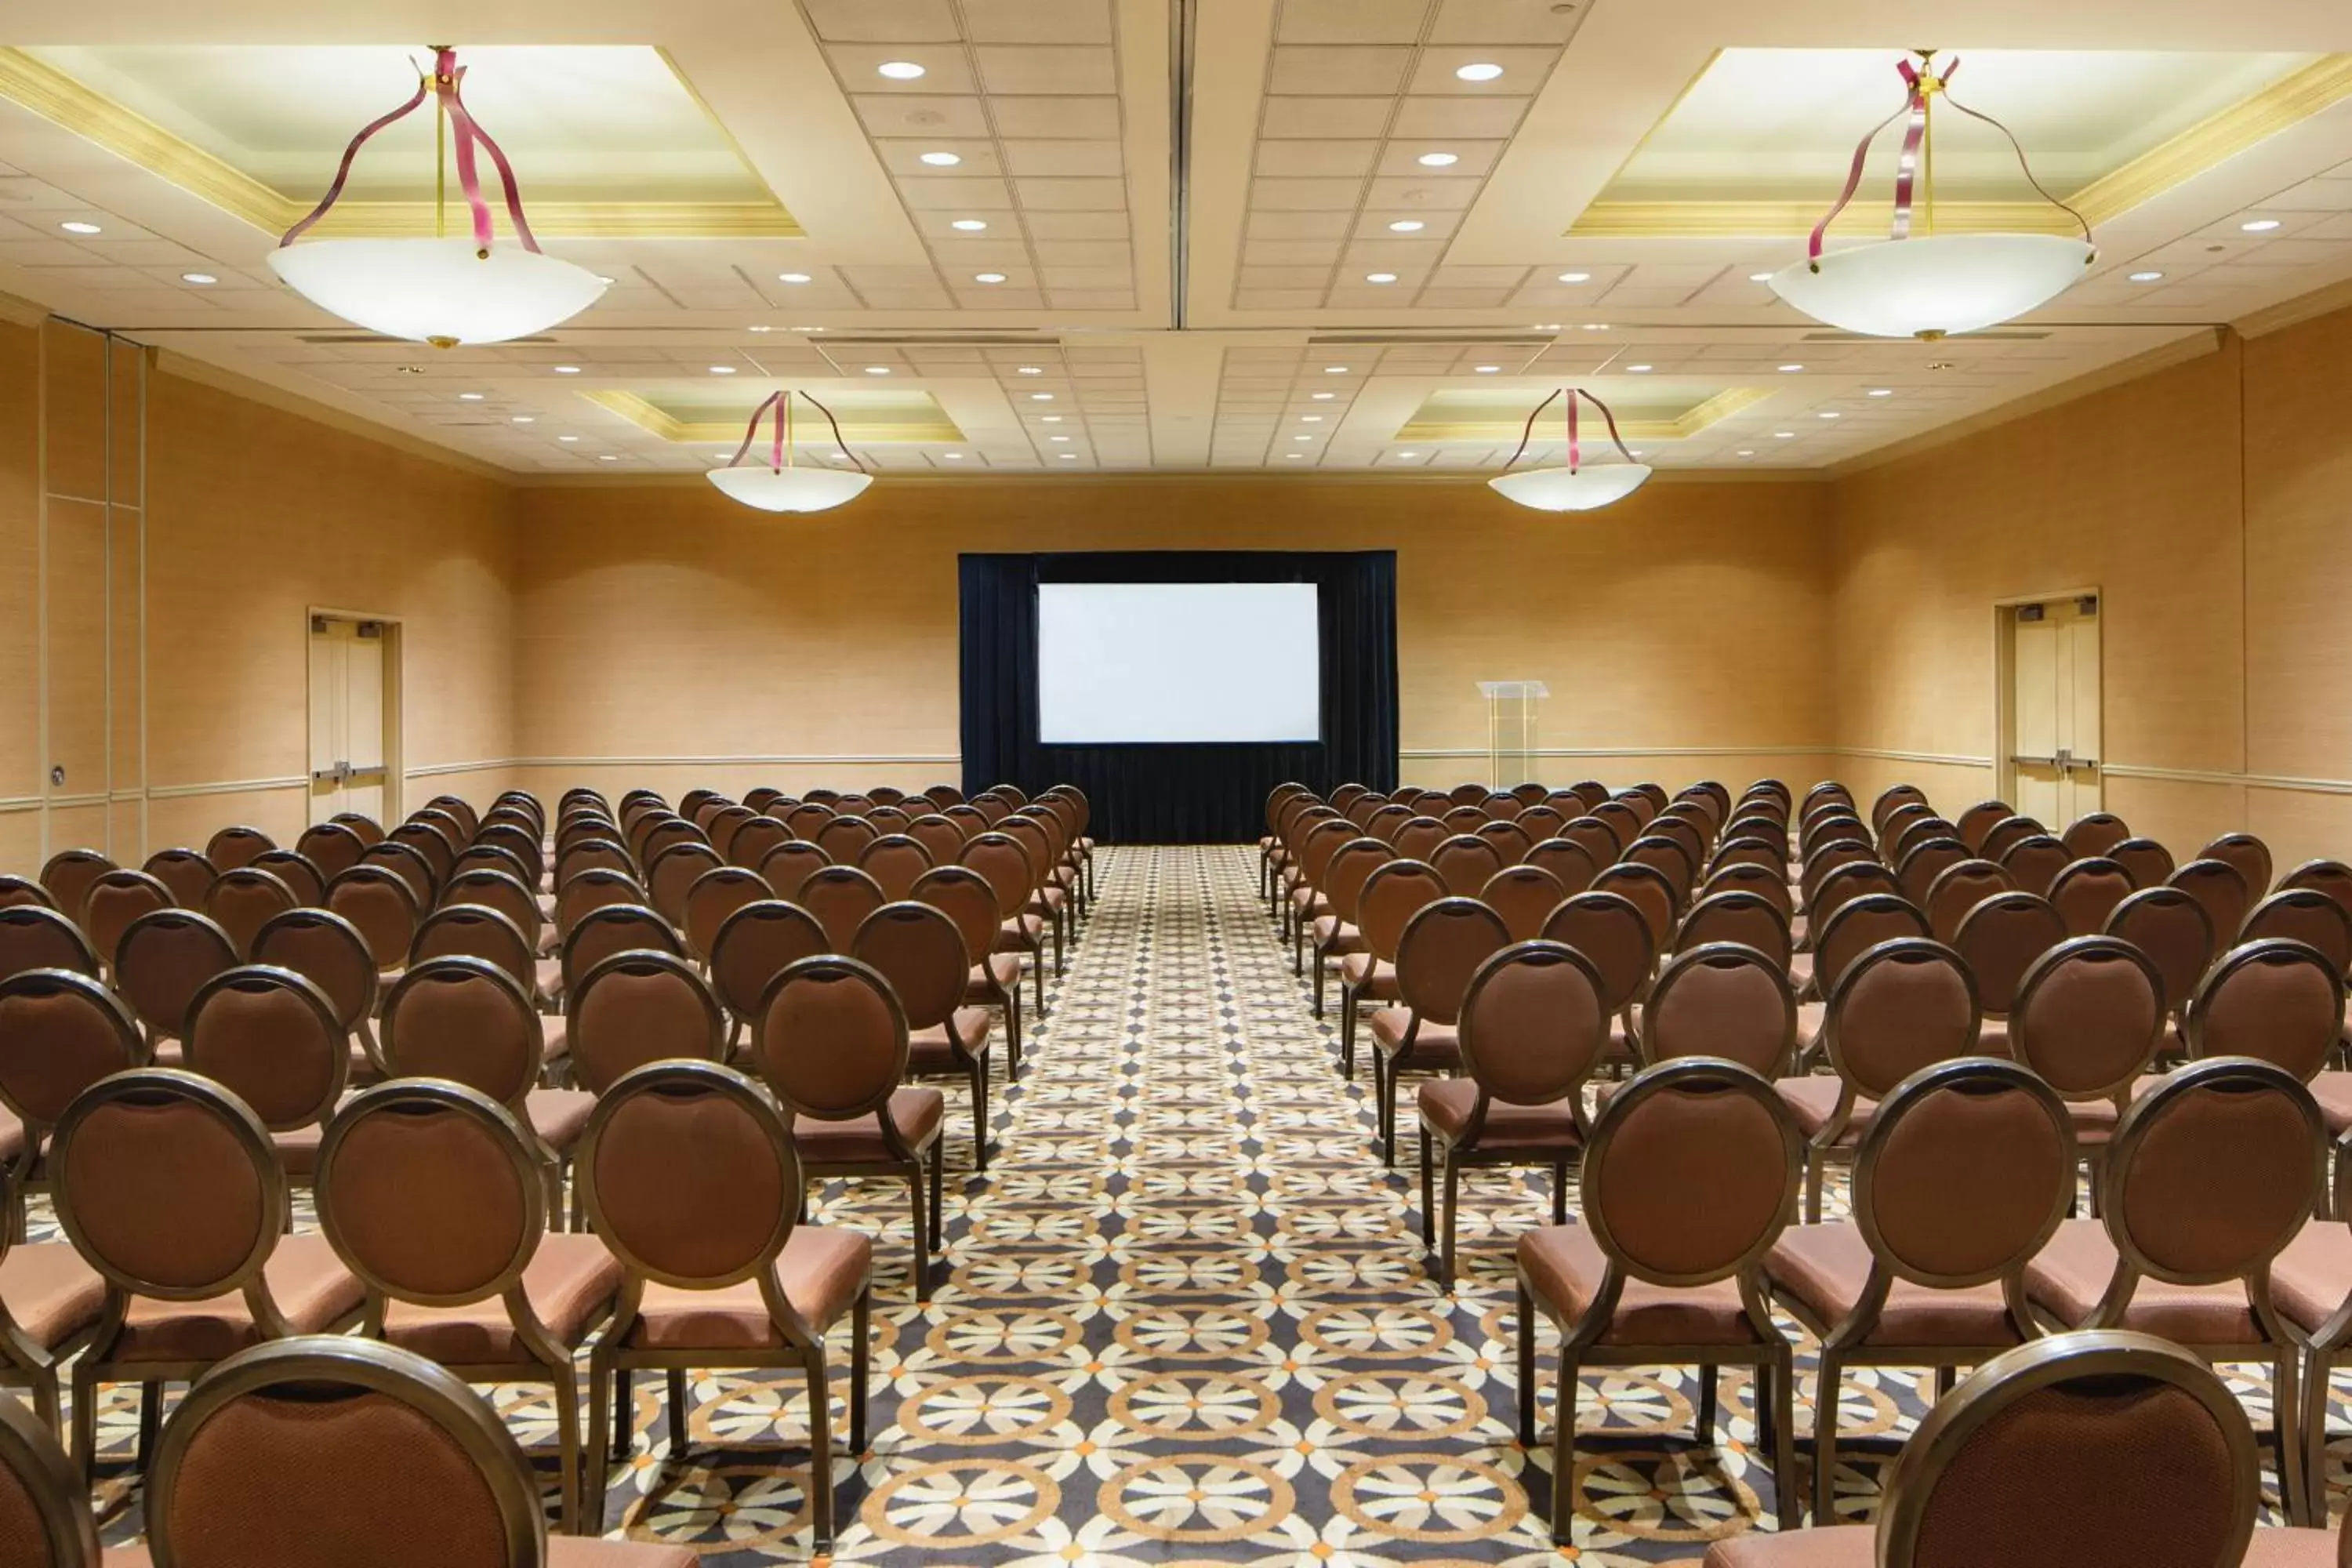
column 1836, row 1546
column 1433, row 1045
column 547, row 976
column 2333, row 1093
column 51, row 1293
column 822, row 1269
column 1372, row 979
column 1019, row 934
column 307, row 1280
column 588, row 1552
column 1812, row 1101
column 930, row 1051
column 2309, row 1282
column 1001, row 970
column 914, row 1110
column 559, row 1115
column 1564, row 1265
column 2289, row 1549
column 1823, row 1269
column 1810, row 1015
column 12, row 1136
column 554, row 1038
column 298, row 1149
column 1446, row 1104
column 2070, row 1274
column 570, row 1281
column 1333, row 934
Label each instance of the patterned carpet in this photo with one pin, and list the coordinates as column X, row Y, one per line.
column 1187, row 1320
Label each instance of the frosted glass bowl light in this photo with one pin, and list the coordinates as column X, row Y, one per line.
column 1558, row 489
column 791, row 490
column 1934, row 284
column 438, row 292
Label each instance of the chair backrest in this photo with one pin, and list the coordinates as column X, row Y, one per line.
column 1464, row 863
column 1894, row 798
column 841, row 898
column 295, row 1450
column 2221, row 889
column 843, row 836
column 411, row 857
column 917, row 949
column 2173, row 929
column 637, row 1007
column 1766, row 880
column 1570, row 863
column 1751, row 919
column 895, row 861
column 2035, row 861
column 161, row 962
column 1856, row 927
column 1005, row 863
column 61, row 1032
column 2333, row 877
column 1964, row 1173
column 168, row 1185
column 186, row 872
column 2006, row 832
column 1649, row 891
column 382, row 906
column 113, row 900
column 44, row 1514
column 698, row 1139
column 1442, row 947
column 2148, row 862
column 1971, row 825
column 365, row 827
column 1511, row 841
column 1901, row 1005
column 1419, row 837
column 68, row 875
column 2306, row 915
column 717, row 894
column 1534, row 1024
column 498, row 887
column 1344, row 875
column 831, row 1040
column 2275, row 1000
column 2094, row 833
column 2097, row 1449
column 16, row 891
column 2088, row 1016
column 1392, row 894
column 674, row 871
column 759, row 942
column 1842, row 884
column 328, row 950
column 595, row 888
column 616, row 928
column 788, row 865
column 1669, row 858
column 272, row 1038
column 580, row 854
column 1611, row 930
column 1723, row 1000
column 236, row 846
column 2086, row 891
column 1689, row 1175
column 1525, row 896
column 298, row 872
column 1597, row 837
column 242, row 900
column 1958, row 888
column 332, row 846
column 476, row 931
column 2000, row 938
column 2246, row 854
column 466, row 1019
column 754, row 839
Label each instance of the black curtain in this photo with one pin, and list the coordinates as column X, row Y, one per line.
column 1181, row 793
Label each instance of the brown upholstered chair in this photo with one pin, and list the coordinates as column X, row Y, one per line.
column 1532, row 1028
column 2211, row 1172
column 161, row 962
column 1525, row 896
column 920, row 953
column 1613, row 931
column 2173, row 929
column 2006, row 832
column 757, row 943
column 328, row 950
column 895, row 861
column 673, row 872
column 50, row 1301
column 2086, row 891
column 2281, row 1002
column 2148, row 862
column 236, row 846
column 188, row 873
column 45, row 1513
column 2245, row 854
column 1841, row 886
column 2094, row 834
column 1957, row 889
column 746, row 1286
column 1570, row 863
column 1686, row 1185
column 715, row 895
column 1751, row 919
column 589, row 850
column 271, row 1039
column 790, row 864
column 298, row 872
column 1596, row 838
column 113, row 900
column 332, row 846
column 1971, row 825
column 333, row 1449
column 832, row 1042
column 2306, row 915
column 242, row 900
column 382, row 907
column 964, row 895
column 61, row 1032
column 2093, row 1450
column 430, row 1194
column 2221, row 889
column 595, row 888
column 1392, row 894
column 1999, row 939
column 2035, row 861
column 842, row 837
column 1721, row 999
column 476, row 931
column 609, row 929
column 2333, row 877
column 1925, row 862
column 168, row 1186
column 1441, row 946
column 366, row 828
column 34, row 936
column 408, row 863
column 2088, row 1017
column 502, row 888
column 1900, row 1005
column 1648, row 890
column 841, row 898
column 2311, row 1284
column 1967, row 1170
column 1334, row 933
column 1465, row 863
column 1511, row 839
column 67, row 875
column 1004, row 861
column 754, row 839
column 18, row 890
column 1848, row 931
column 639, row 1006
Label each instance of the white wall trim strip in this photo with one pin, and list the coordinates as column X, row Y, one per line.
column 1475, row 751
column 950, row 760
column 20, row 803
column 226, row 786
column 434, row 770
column 2249, row 781
column 1941, row 759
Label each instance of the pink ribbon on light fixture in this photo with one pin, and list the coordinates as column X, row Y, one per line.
column 1575, row 445
column 779, row 452
column 444, row 84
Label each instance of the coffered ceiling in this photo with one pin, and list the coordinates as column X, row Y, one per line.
column 1090, row 235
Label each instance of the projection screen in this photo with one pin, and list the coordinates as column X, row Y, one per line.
column 1173, row 662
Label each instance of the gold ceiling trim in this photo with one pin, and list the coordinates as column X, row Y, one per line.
column 1681, row 428
column 2216, row 139
column 655, row 421
column 35, row 85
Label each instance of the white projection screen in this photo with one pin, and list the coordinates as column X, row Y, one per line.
column 1173, row 662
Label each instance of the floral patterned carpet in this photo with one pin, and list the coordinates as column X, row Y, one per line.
column 1185, row 1318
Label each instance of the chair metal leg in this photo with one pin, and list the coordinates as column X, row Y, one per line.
column 676, row 1412
column 915, row 1180
column 566, row 1395
column 1347, row 1032
column 1779, row 1401
column 1563, row 1453
column 85, row 1419
column 820, row 1421
column 1384, row 1088
column 938, row 1214
column 861, row 1337
column 2286, row 1425
column 1708, row 1381
column 1452, row 1211
column 1038, row 975
column 2313, row 1439
column 1825, row 1418
column 624, row 1412
column 151, row 1421
column 1813, row 1186
column 1428, row 1204
column 1526, row 1358
column 1012, row 1033
column 979, row 1114
column 600, row 1456
column 1559, row 1194
column 1319, row 983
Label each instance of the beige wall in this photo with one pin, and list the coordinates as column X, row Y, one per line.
column 661, row 622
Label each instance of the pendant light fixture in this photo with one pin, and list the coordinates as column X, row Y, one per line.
column 1578, row 486
column 1931, row 285
column 444, row 291
column 781, row 484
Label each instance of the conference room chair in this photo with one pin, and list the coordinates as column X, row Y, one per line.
column 2156, row 1464
column 2306, row 915
column 188, row 873
column 1999, row 939
column 724, row 824
column 1525, row 896
column 615, row 928
column 1735, row 915
column 2035, row 861
column 759, row 942
column 68, row 875
column 754, row 839
column 1647, row 888
column 61, row 1031
column 332, row 846
column 236, row 844
column 382, row 906
column 970, row 818
column 1677, row 866
column 1588, row 793
column 672, row 873
column 1685, row 1186
column 942, row 796
column 1335, row 932
column 656, row 834
column 2008, row 832
column 2333, row 877
column 919, row 952
column 476, row 931
column 942, row 837
column 1392, row 893
column 1539, row 822
column 244, row 899
column 420, row 853
column 1887, row 831
column 1570, row 863
column 2280, row 1002
column 747, row 1286
column 2086, row 891
column 841, row 896
column 1893, row 798
column 1724, row 1000
column 1464, row 863
column 995, row 980
column 168, row 1186
column 2088, row 1018
column 1757, row 874
column 1612, row 931
column 1843, row 934
column 2211, row 1172
column 1303, row 898
column 1439, row 948
column 2149, row 863
column 2094, row 834
column 161, row 961
column 1843, row 882
column 1915, row 833
column 715, row 895
column 843, row 836
column 365, row 828
column 298, row 872
column 430, row 1194
column 788, row 865
column 833, row 1044
column 1899, row 1005
column 1001, row 859
column 523, row 844
column 468, row 1020
column 2173, row 929
column 270, row 1037
column 45, row 1513
column 1383, row 821
column 2246, row 854
column 1510, row 840
column 1956, row 888
column 639, row 1006
column 1967, row 1170
column 1467, row 819
column 2221, row 891
column 1533, row 1027
column 593, row 888
column 587, row 845
column 1596, row 838
column 461, row 811
column 1971, row 825
column 16, row 891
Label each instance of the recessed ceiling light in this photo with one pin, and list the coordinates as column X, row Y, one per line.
column 1310, row 419
column 1596, row 326
column 1547, row 326
column 1636, row 451
column 988, row 277
column 970, row 225
column 567, row 437
column 1830, row 414
column 1438, row 160
column 1407, row 225
column 606, row 457
column 1294, row 457
column 199, row 279
column 1379, row 277
column 1639, row 369
column 1335, row 370
column 574, row 370
column 1881, row 392
column 756, row 327
column 1302, row 437
column 1049, row 419
column 2146, row 277
column 469, row 398
column 722, row 369
column 1067, row 456
column 1325, row 396
column 899, row 71
column 1031, row 369
column 1478, row 70
column 1745, row 452
column 953, row 457
column 942, row 160
column 526, row 419
column 841, row 457
column 1408, row 453
column 792, row 277
column 1784, row 435
column 877, row 370
column 1576, row 277
column 601, row 278
column 1486, row 369
column 1041, row 397
column 76, row 226
column 1790, row 369
column 1759, row 277
column 1057, row 438
column 2252, row 225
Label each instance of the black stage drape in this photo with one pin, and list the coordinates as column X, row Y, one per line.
column 1181, row 793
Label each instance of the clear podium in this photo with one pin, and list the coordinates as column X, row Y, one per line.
column 1511, row 744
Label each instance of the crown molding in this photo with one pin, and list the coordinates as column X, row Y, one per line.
column 170, row 362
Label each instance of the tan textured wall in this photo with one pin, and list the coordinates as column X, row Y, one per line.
column 662, row 621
